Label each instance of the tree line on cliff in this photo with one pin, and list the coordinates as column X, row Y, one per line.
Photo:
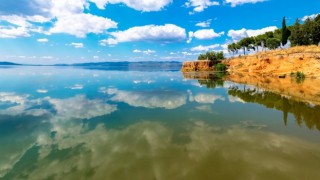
column 215, row 58
column 299, row 34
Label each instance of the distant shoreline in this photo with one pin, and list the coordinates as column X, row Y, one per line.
column 120, row 63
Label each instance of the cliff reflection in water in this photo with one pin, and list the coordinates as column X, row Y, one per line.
column 208, row 79
column 303, row 112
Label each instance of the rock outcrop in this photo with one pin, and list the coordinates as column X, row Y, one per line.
column 199, row 65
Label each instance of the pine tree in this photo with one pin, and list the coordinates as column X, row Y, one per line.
column 316, row 31
column 285, row 32
column 296, row 34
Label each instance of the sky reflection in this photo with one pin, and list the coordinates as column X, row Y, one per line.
column 159, row 127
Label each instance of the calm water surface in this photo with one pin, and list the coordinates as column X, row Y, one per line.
column 68, row 123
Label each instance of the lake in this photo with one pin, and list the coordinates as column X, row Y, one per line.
column 77, row 123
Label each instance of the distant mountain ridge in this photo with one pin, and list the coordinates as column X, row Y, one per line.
column 122, row 65
column 5, row 63
column 126, row 65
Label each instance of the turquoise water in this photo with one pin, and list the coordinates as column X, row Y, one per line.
column 73, row 123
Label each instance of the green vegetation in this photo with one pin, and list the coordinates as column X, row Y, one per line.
column 212, row 56
column 234, row 47
column 299, row 76
column 307, row 33
column 215, row 80
column 285, row 32
column 220, row 67
column 298, row 34
column 246, row 44
column 273, row 43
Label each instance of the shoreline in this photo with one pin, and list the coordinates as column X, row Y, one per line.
column 282, row 62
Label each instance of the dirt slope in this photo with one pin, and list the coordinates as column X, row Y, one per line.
column 305, row 59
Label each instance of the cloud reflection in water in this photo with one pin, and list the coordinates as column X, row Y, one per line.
column 151, row 150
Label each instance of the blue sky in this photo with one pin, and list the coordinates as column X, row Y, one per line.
column 75, row 31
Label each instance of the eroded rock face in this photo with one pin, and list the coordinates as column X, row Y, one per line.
column 200, row 65
column 305, row 59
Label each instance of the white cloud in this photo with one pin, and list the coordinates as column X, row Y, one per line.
column 16, row 20
column 207, row 34
column 80, row 107
column 44, row 40
column 108, row 41
column 312, row 16
column 237, row 35
column 140, row 5
column 200, row 5
column 21, row 105
column 77, row 87
column 77, row 45
column 260, row 31
column 13, row 98
column 146, row 52
column 23, row 25
column 235, row 3
column 12, row 32
column 188, row 53
column 80, row 25
column 204, row 24
column 204, row 34
column 148, row 99
column 165, row 33
column 205, row 48
column 38, row 19
column 75, row 107
column 46, row 57
column 63, row 8
column 67, row 17
column 42, row 91
column 206, row 98
column 25, row 7
column 233, row 99
column 99, row 148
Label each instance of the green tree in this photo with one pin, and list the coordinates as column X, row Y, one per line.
column 316, row 31
column 219, row 56
column 212, row 56
column 273, row 43
column 234, row 48
column 307, row 29
column 202, row 57
column 269, row 34
column 296, row 37
column 285, row 32
column 246, row 44
column 261, row 40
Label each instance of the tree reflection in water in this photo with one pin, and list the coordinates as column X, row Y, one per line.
column 303, row 112
column 213, row 81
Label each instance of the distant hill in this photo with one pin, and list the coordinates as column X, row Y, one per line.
column 125, row 65
column 119, row 66
column 8, row 64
